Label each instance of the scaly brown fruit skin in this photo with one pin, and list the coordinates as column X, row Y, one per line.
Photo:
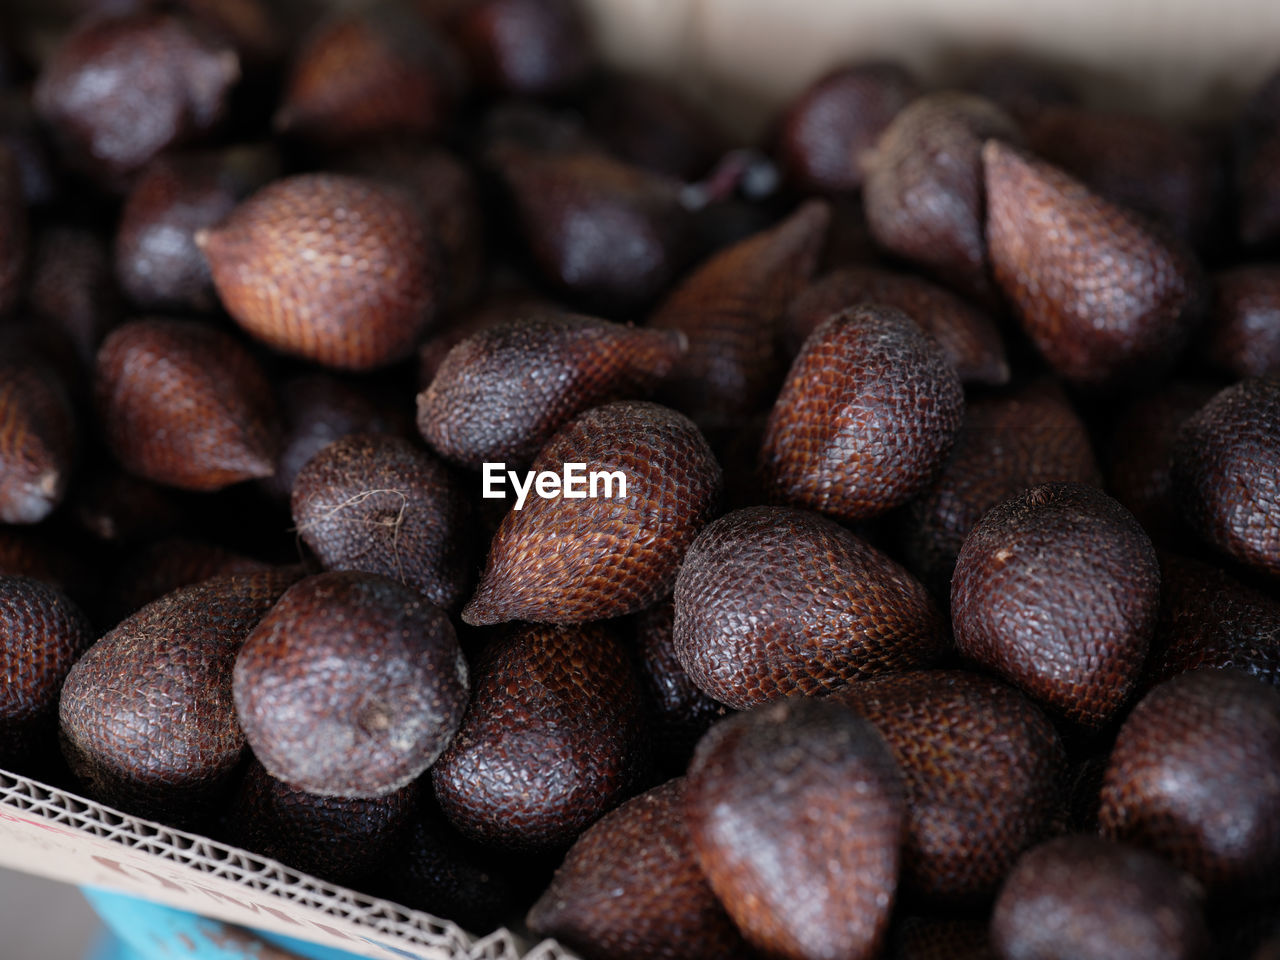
column 42, row 634
column 983, row 769
column 1007, row 444
column 555, row 737
column 1192, row 777
column 146, row 716
column 163, row 566
column 492, row 310
column 1057, row 590
column 1105, row 300
column 72, row 287
column 381, row 504
column 924, row 191
column 119, row 90
column 502, row 393
column 731, row 309
column 1083, row 898
column 797, row 811
column 772, row 601
column 866, row 418
column 1226, row 472
column 630, row 888
column 185, row 405
column 1243, row 335
column 576, row 560
column 826, row 132
column 13, row 232
column 525, row 47
column 967, row 337
column 940, row 938
column 378, row 71
column 37, row 440
column 338, row 270
column 351, row 686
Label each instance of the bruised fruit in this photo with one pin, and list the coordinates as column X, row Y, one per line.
column 525, row 47
column 1057, row 590
column 555, row 737
column 631, row 889
column 37, row 440
column 351, row 686
column 1243, row 336
column 572, row 560
column 797, row 811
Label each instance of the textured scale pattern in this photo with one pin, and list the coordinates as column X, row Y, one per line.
column 983, row 769
column 13, row 231
column 967, row 337
column 1192, row 777
column 571, row 561
column 1102, row 296
column 554, row 738
column 866, row 418
column 1243, row 338
column 381, row 504
column 1083, row 898
column 1057, row 590
column 631, row 889
column 42, row 633
column 502, row 393
column 351, row 686
column 772, row 601
column 337, row 270
column 162, row 566
column 146, row 716
column 797, row 811
column 37, row 440
column 731, row 308
column 1226, row 472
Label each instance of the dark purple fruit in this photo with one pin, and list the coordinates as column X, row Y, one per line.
column 1022, row 86
column 525, row 47
column 1243, row 337
column 37, row 440
column 163, row 566
column 72, row 287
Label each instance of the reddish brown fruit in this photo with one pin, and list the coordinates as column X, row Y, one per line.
column 72, row 287
column 494, row 309
column 13, row 232
column 797, row 811
column 924, row 191
column 1057, row 590
column 118, row 91
column 1226, row 472
column 967, row 337
column 1104, row 299
column 184, row 404
column 525, row 47
column 351, row 686
column 772, row 601
column 380, row 504
column 553, row 739
column 502, row 393
column 1243, row 337
column 37, row 440
column 337, row 270
column 571, row 561
column 382, row 70
column 941, row 938
column 166, row 565
column 631, row 889
column 251, row 26
column 146, row 715
column 1192, row 777
column 828, row 130
column 983, row 769
column 116, row 507
column 1022, row 86
column 731, row 309
column 1082, row 898
column 42, row 633
column 866, row 418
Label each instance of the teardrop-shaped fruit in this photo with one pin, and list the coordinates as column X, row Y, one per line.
column 968, row 337
column 1101, row 295
column 116, row 507
column 555, row 737
column 337, row 270
column 496, row 308
column 42, row 634
column 1192, row 777
column 502, row 393
column 1226, row 472
column 615, row 549
column 1243, row 337
column 13, row 232
column 381, row 504
column 924, row 191
column 631, row 889
column 351, row 686
column 525, row 47
column 983, row 769
column 1057, row 590
column 866, row 417
column 731, row 309
column 147, row 718
column 72, row 287
column 797, row 811
column 37, row 440
column 186, row 405
column 1083, row 898
column 772, row 601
